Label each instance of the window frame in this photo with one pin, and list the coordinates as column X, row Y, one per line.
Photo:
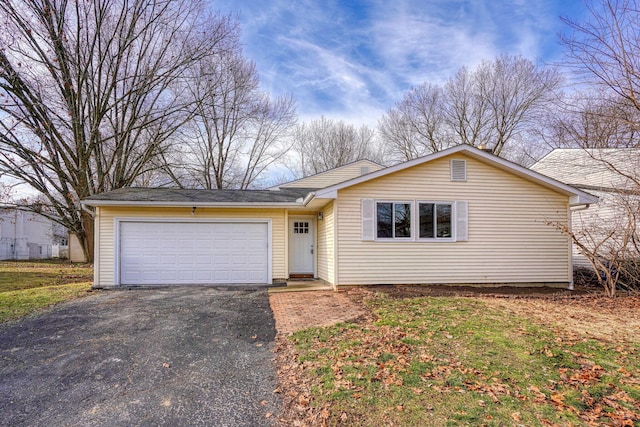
column 435, row 203
column 393, row 203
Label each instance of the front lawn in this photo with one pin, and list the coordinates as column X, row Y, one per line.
column 16, row 275
column 459, row 361
column 26, row 287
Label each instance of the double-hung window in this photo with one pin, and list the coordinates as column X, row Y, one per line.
column 393, row 220
column 435, row 220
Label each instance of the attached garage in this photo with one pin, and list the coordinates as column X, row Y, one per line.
column 181, row 252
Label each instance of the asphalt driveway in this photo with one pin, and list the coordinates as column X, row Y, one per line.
column 174, row 356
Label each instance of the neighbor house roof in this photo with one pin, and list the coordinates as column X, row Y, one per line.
column 591, row 168
column 134, row 196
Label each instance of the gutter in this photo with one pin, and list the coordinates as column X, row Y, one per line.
column 578, row 208
column 130, row 203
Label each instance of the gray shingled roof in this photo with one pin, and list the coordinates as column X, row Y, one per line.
column 590, row 168
column 176, row 195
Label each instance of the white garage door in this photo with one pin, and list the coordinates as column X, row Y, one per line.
column 166, row 253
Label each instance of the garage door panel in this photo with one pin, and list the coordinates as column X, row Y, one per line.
column 193, row 253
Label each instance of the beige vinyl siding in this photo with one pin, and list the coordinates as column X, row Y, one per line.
column 105, row 243
column 334, row 176
column 326, row 252
column 76, row 254
column 509, row 238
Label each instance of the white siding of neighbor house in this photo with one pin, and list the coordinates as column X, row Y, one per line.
column 326, row 245
column 105, row 236
column 334, row 176
column 604, row 221
column 509, row 240
column 591, row 170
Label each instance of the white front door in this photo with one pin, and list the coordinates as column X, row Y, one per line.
column 301, row 245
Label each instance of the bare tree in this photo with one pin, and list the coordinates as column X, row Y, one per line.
column 325, row 144
column 416, row 125
column 589, row 120
column 467, row 108
column 604, row 50
column 497, row 105
column 236, row 132
column 91, row 93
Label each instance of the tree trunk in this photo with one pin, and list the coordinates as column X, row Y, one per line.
column 87, row 239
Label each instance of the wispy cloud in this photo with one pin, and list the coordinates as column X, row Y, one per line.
column 353, row 60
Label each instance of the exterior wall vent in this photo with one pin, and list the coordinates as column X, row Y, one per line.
column 364, row 170
column 458, row 170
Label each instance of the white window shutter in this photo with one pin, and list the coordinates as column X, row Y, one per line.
column 462, row 221
column 368, row 219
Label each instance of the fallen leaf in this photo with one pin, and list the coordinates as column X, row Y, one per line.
column 166, row 365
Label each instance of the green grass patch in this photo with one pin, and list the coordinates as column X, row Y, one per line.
column 29, row 286
column 17, row 275
column 455, row 361
column 15, row 304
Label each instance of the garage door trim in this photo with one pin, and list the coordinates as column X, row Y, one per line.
column 119, row 220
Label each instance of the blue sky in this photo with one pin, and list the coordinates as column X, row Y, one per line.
column 353, row 60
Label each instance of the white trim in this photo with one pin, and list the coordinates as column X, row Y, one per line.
column 128, row 203
column 411, row 203
column 118, row 220
column 96, row 249
column 570, row 262
column 335, row 245
column 454, row 223
column 579, row 197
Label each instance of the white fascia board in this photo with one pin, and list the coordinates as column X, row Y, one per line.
column 128, row 203
column 578, row 200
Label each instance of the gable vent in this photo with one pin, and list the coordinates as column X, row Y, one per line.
column 458, row 170
column 364, row 170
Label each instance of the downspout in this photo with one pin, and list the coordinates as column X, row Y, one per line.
column 308, row 198
column 571, row 211
column 84, row 207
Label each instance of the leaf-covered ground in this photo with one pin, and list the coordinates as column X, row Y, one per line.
column 467, row 361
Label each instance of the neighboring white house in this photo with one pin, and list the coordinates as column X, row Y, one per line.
column 612, row 175
column 26, row 235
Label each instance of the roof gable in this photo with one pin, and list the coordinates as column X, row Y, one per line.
column 334, row 176
column 577, row 196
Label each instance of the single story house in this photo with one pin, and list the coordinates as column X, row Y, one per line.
column 459, row 216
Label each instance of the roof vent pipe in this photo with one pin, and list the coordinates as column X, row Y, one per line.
column 484, row 148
